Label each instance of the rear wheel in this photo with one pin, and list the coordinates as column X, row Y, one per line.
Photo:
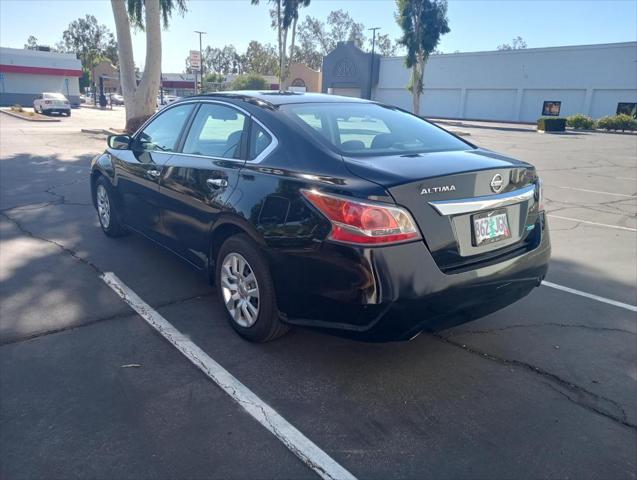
column 109, row 220
column 245, row 288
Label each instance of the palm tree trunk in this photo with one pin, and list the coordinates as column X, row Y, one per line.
column 283, row 56
column 140, row 100
column 145, row 98
column 280, row 39
column 127, row 78
column 421, row 85
column 292, row 42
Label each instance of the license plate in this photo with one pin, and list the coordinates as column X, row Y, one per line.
column 490, row 227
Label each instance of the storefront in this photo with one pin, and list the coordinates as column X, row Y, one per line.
column 178, row 84
column 512, row 85
column 349, row 71
column 25, row 74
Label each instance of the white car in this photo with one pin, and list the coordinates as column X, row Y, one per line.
column 168, row 99
column 50, row 102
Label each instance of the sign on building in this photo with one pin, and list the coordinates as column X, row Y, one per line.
column 195, row 59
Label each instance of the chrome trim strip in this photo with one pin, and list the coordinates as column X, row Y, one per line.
column 476, row 204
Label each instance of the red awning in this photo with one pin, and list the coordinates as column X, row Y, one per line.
column 177, row 84
column 58, row 72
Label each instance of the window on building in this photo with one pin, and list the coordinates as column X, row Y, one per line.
column 627, row 108
column 551, row 109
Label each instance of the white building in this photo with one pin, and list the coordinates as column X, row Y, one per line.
column 24, row 74
column 514, row 85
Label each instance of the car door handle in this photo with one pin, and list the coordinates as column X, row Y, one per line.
column 217, row 182
column 154, row 173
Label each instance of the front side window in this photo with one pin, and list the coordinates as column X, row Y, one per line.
column 163, row 132
column 362, row 129
column 216, row 132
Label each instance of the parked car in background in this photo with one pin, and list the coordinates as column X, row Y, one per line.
column 328, row 211
column 167, row 100
column 83, row 98
column 51, row 102
column 116, row 99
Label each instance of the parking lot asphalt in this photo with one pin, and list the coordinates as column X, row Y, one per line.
column 546, row 388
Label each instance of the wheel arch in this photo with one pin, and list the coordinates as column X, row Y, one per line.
column 224, row 228
column 102, row 166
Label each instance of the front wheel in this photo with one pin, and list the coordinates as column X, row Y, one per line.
column 245, row 288
column 109, row 221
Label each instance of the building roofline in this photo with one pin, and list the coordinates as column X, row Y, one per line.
column 522, row 51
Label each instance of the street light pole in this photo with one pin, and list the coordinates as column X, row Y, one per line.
column 200, row 58
column 371, row 72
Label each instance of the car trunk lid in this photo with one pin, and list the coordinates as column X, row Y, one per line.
column 424, row 182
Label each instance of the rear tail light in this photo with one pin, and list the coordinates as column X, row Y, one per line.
column 364, row 222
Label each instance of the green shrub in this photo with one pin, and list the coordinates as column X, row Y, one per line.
column 621, row 122
column 251, row 81
column 580, row 121
column 551, row 124
column 17, row 108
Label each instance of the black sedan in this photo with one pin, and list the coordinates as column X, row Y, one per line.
column 329, row 212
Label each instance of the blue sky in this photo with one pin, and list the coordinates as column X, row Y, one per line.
column 475, row 24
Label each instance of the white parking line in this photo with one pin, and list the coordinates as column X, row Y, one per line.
column 591, row 191
column 293, row 439
column 627, row 306
column 618, row 227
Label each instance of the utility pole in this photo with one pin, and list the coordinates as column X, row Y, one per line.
column 371, row 69
column 200, row 59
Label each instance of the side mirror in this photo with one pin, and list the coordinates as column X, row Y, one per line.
column 119, row 142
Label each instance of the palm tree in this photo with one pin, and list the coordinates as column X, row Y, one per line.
column 291, row 14
column 286, row 14
column 423, row 23
column 140, row 99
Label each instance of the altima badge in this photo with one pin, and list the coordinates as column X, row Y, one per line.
column 444, row 188
column 496, row 183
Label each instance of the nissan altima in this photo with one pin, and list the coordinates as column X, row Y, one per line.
column 328, row 212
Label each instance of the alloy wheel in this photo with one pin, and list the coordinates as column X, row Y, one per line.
column 240, row 289
column 103, row 206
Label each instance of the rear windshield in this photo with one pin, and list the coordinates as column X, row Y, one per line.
column 370, row 129
column 54, row 96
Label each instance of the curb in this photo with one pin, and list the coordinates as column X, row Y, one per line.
column 98, row 131
column 26, row 119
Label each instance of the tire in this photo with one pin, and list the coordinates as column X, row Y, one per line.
column 263, row 323
column 106, row 211
column 68, row 114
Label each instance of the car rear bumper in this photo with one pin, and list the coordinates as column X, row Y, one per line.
column 56, row 110
column 393, row 293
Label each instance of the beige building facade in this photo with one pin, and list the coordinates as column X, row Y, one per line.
column 303, row 79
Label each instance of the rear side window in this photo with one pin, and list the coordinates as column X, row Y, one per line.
column 259, row 140
column 216, row 132
column 162, row 133
column 366, row 129
column 54, row 96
